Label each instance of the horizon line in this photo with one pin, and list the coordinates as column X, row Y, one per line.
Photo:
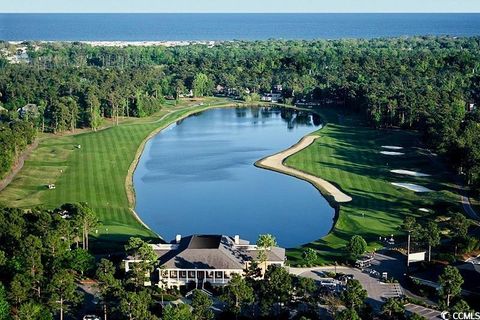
column 253, row 12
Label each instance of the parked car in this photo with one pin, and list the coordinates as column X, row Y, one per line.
column 344, row 277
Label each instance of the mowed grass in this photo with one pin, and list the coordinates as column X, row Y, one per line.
column 95, row 173
column 348, row 155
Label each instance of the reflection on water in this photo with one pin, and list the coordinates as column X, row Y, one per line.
column 198, row 177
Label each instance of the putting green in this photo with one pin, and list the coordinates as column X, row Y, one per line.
column 346, row 154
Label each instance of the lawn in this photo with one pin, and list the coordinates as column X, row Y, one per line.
column 347, row 154
column 95, row 173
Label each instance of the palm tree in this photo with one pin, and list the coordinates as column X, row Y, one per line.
column 264, row 243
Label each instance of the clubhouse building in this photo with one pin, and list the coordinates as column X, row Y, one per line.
column 213, row 259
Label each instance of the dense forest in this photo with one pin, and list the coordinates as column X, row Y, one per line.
column 47, row 272
column 15, row 136
column 42, row 254
column 427, row 84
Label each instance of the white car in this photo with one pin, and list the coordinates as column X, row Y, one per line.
column 91, row 317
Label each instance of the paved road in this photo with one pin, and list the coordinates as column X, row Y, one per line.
column 377, row 290
column 392, row 262
column 89, row 305
column 467, row 207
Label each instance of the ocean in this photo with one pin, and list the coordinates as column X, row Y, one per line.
column 196, row 27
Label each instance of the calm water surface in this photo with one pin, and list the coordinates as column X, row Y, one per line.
column 198, row 176
column 162, row 27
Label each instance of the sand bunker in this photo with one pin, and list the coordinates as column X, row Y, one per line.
column 276, row 163
column 391, row 153
column 392, row 147
column 412, row 187
column 410, row 173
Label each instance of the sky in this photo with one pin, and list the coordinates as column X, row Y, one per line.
column 239, row 6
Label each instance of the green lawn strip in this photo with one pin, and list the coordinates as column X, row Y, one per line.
column 348, row 155
column 95, row 173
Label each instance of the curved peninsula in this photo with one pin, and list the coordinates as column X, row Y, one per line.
column 198, row 177
column 276, row 163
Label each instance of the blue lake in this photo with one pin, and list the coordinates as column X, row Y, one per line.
column 198, row 177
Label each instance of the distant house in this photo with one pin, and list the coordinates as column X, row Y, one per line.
column 277, row 88
column 234, row 93
column 275, row 95
column 272, row 97
column 201, row 259
column 19, row 56
column 220, row 90
column 187, row 95
column 471, row 107
column 29, row 110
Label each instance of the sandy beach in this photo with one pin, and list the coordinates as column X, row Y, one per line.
column 276, row 163
column 122, row 44
column 146, row 43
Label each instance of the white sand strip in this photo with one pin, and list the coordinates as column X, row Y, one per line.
column 391, row 153
column 410, row 173
column 392, row 147
column 424, row 210
column 412, row 187
column 275, row 163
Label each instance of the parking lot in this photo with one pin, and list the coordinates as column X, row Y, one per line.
column 427, row 313
column 370, row 277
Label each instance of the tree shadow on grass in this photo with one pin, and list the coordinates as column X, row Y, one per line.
column 115, row 242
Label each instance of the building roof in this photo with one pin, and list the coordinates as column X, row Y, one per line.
column 204, row 242
column 212, row 252
column 30, row 107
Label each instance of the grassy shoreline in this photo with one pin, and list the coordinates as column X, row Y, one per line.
column 348, row 155
column 345, row 155
column 177, row 116
column 96, row 173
